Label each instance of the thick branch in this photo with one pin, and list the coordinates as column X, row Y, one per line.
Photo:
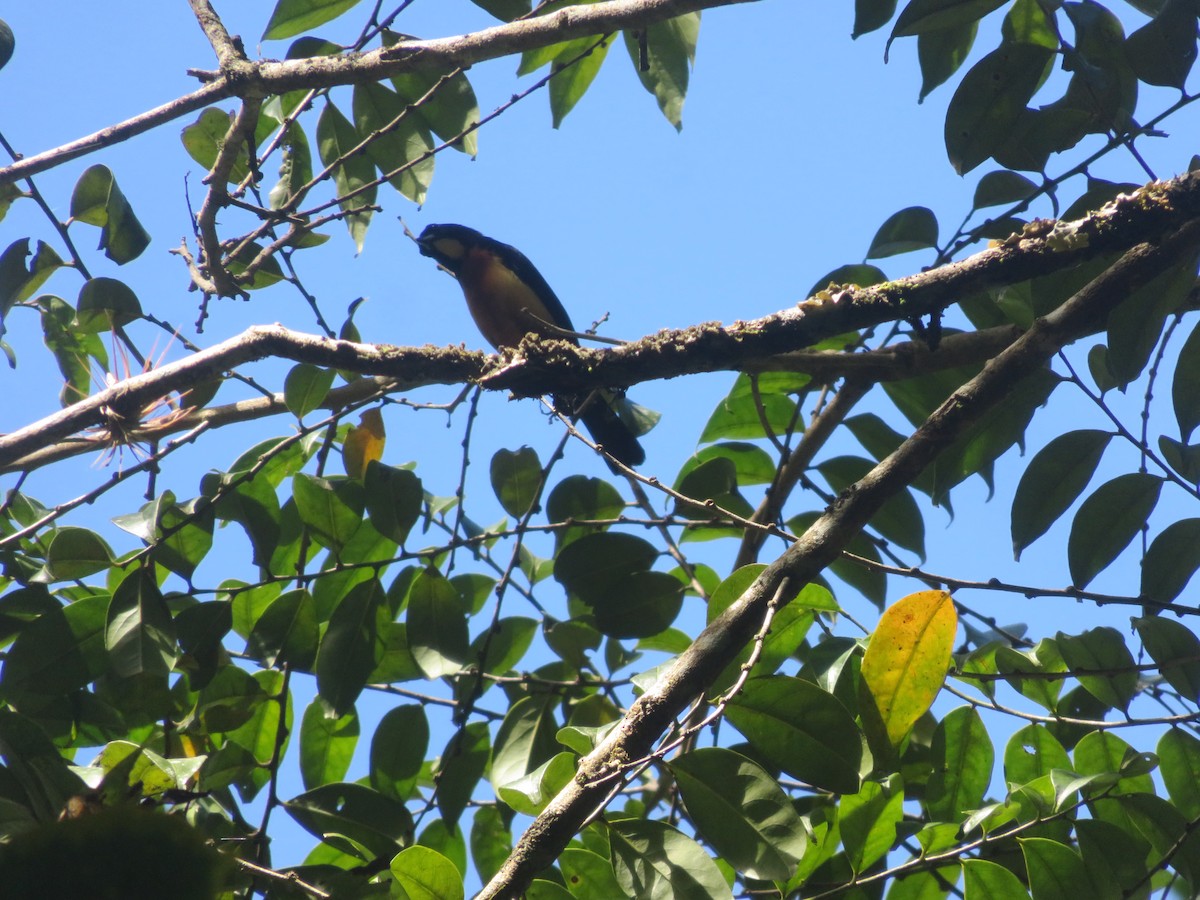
column 415, row 367
column 696, row 668
column 1152, row 214
column 439, row 54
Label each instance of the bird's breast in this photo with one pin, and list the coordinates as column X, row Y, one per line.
column 504, row 308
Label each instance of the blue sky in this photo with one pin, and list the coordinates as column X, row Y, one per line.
column 797, row 144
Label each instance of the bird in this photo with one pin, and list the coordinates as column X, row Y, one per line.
column 508, row 298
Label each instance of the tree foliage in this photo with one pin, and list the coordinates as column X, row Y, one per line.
column 609, row 692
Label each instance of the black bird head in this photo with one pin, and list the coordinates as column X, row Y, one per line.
column 448, row 244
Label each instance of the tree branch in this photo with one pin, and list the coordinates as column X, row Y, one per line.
column 278, row 77
column 1155, row 213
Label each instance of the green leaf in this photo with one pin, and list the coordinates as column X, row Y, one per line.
column 1031, row 753
column 139, row 634
column 305, row 388
column 1107, row 521
column 525, row 740
column 104, row 304
column 201, row 630
column 461, row 766
column 286, row 632
column 505, row 10
column 437, row 627
column 1004, row 425
column 59, row 652
column 349, row 649
column 921, row 16
column 398, row 749
column 1184, row 459
column 269, row 271
column 1163, row 50
column 291, row 17
column 331, row 507
column 906, row 659
column 942, row 52
column 337, row 812
column 532, row 793
column 962, row 765
column 401, row 140
column 579, row 497
column 506, row 642
column 1101, row 651
column 572, row 75
column 595, row 566
column 1165, row 828
column 188, row 528
column 1103, row 753
column 1184, row 394
column 590, row 875
column 516, row 479
column 1055, row 871
column 8, row 43
column 1044, row 659
column 644, row 604
column 868, row 821
column 1176, row 649
column 751, row 463
column 1001, row 188
column 914, row 228
column 425, row 874
column 741, row 811
column 295, row 168
column 1179, row 758
column 232, row 701
column 670, row 51
column 985, row 880
column 71, row 347
column 450, row 110
column 1136, row 324
column 327, row 743
column 393, row 500
column 801, row 729
column 855, row 274
column 1052, row 481
column 871, row 15
column 76, row 553
column 336, row 137
column 254, row 506
column 205, row 137
column 989, row 101
column 1171, row 561
column 492, row 841
column 714, row 485
column 97, row 200
column 652, row 859
column 1029, row 22
column 36, row 765
column 738, row 418
column 18, row 282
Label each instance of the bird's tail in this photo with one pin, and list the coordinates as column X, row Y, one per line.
column 605, row 426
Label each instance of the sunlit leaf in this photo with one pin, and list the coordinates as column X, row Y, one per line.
column 742, row 811
column 291, row 17
column 907, row 658
column 1107, row 521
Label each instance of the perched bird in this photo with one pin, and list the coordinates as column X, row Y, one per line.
column 508, row 299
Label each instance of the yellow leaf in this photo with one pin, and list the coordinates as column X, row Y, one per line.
column 907, row 658
column 364, row 442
